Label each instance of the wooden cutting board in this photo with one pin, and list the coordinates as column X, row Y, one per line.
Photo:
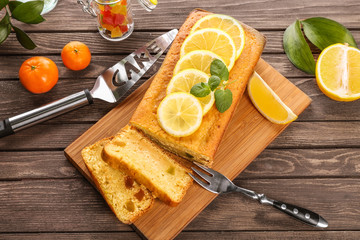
column 247, row 136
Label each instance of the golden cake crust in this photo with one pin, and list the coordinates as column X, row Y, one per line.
column 202, row 145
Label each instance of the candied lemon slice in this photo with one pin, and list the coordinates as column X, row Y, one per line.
column 185, row 80
column 198, row 59
column 226, row 23
column 214, row 40
column 268, row 103
column 180, row 114
column 338, row 72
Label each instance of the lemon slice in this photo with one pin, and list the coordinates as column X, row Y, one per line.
column 338, row 72
column 155, row 2
column 185, row 80
column 214, row 40
column 198, row 59
column 267, row 102
column 226, row 23
column 180, row 114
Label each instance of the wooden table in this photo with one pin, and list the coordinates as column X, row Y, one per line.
column 314, row 163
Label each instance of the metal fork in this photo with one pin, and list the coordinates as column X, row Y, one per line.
column 218, row 183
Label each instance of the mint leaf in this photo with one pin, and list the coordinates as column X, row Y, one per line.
column 223, row 99
column 323, row 32
column 214, row 82
column 29, row 12
column 3, row 3
column 200, row 90
column 24, row 39
column 14, row 4
column 218, row 68
column 297, row 50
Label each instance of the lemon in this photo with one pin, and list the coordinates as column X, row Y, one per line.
column 155, row 2
column 180, row 114
column 214, row 40
column 338, row 72
column 226, row 23
column 198, row 59
column 267, row 102
column 185, row 80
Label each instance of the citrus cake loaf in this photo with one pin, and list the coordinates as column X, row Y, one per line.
column 132, row 152
column 127, row 199
column 201, row 145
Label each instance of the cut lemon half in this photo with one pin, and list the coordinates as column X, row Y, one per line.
column 338, row 72
column 185, row 80
column 226, row 23
column 180, row 114
column 268, row 103
column 198, row 59
column 214, row 40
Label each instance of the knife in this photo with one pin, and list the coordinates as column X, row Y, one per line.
column 110, row 86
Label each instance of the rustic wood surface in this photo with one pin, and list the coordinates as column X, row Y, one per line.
column 314, row 163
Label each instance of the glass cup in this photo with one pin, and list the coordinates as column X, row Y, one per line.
column 114, row 17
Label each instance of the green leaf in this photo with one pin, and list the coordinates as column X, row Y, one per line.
column 323, row 32
column 4, row 32
column 297, row 50
column 223, row 99
column 5, row 28
column 214, row 82
column 218, row 68
column 24, row 39
column 29, row 12
column 200, row 90
column 14, row 4
column 3, row 3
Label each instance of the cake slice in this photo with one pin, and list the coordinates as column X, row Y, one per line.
column 131, row 151
column 126, row 198
column 202, row 145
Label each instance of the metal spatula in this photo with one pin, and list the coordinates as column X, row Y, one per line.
column 110, row 86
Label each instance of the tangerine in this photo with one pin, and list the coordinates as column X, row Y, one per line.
column 76, row 55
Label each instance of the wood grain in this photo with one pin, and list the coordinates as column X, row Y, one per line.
column 270, row 14
column 246, row 128
column 225, row 235
column 74, row 206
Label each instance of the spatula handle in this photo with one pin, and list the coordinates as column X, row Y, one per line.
column 41, row 114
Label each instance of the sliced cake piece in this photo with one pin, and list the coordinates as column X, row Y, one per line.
column 126, row 198
column 131, row 151
column 202, row 145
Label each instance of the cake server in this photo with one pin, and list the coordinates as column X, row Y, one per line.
column 110, row 86
column 215, row 182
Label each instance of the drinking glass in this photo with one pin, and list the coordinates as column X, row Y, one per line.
column 114, row 17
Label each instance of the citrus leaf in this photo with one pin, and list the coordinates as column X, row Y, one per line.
column 28, row 12
column 24, row 39
column 5, row 28
column 14, row 4
column 297, row 50
column 323, row 32
column 4, row 32
column 3, row 3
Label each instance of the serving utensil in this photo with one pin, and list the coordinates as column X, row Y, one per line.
column 110, row 86
column 215, row 182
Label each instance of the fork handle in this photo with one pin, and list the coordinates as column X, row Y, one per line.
column 41, row 114
column 301, row 214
